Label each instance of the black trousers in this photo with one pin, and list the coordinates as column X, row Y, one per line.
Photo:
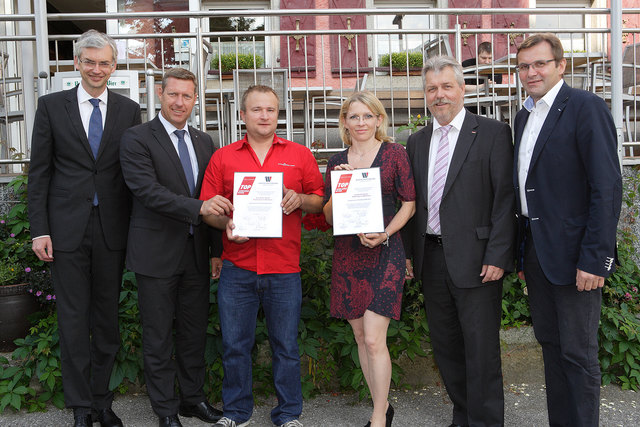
column 565, row 323
column 464, row 326
column 181, row 302
column 87, row 285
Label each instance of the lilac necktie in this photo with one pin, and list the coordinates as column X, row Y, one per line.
column 439, row 179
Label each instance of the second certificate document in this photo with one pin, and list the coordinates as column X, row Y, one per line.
column 357, row 201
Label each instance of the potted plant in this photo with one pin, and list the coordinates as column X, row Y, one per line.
column 24, row 279
column 227, row 63
column 398, row 62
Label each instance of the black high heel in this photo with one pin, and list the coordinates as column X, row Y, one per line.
column 389, row 415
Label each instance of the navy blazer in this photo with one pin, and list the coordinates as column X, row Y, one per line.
column 573, row 187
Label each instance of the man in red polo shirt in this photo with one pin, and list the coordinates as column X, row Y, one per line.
column 261, row 271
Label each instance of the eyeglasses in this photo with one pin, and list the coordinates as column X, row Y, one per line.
column 366, row 118
column 537, row 65
column 92, row 64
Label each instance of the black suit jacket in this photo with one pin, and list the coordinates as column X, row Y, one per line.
column 573, row 187
column 64, row 175
column 477, row 216
column 163, row 208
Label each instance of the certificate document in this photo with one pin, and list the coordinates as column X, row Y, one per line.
column 356, row 198
column 256, row 201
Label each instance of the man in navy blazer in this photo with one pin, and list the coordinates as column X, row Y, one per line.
column 569, row 189
column 79, row 206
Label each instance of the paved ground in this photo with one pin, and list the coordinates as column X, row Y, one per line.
column 425, row 404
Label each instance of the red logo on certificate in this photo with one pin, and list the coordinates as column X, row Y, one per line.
column 245, row 186
column 343, row 183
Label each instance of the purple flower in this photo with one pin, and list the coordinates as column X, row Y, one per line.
column 12, row 235
column 53, row 297
column 634, row 289
column 30, row 291
column 38, row 293
column 1, row 221
column 627, row 296
column 48, row 297
column 27, row 270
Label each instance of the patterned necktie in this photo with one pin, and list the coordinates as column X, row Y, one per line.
column 95, row 134
column 439, row 179
column 183, row 152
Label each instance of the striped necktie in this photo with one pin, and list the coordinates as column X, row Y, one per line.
column 439, row 179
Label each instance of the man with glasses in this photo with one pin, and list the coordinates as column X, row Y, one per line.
column 569, row 188
column 79, row 206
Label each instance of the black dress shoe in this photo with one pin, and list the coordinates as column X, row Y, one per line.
column 107, row 418
column 82, row 418
column 170, row 421
column 202, row 410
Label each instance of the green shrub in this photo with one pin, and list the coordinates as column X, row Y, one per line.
column 228, row 61
column 399, row 60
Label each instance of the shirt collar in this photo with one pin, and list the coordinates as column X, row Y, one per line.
column 83, row 95
column 455, row 123
column 171, row 128
column 548, row 98
column 245, row 142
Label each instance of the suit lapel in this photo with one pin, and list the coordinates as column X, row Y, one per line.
column 423, row 159
column 73, row 110
column 465, row 138
column 110, row 122
column 550, row 122
column 201, row 155
column 160, row 134
column 520, row 122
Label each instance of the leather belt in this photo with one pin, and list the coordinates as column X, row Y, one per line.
column 434, row 238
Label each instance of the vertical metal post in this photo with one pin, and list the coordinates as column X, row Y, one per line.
column 42, row 44
column 201, row 80
column 151, row 94
column 458, row 42
column 616, row 73
column 28, row 90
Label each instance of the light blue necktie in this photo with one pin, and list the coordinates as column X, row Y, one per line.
column 183, row 152
column 95, row 134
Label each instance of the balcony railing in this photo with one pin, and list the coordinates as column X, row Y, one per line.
column 320, row 67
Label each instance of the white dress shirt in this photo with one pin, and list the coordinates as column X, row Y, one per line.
column 187, row 139
column 537, row 115
column 86, row 108
column 456, row 125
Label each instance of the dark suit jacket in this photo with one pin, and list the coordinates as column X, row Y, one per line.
column 64, row 175
column 163, row 208
column 574, row 186
column 477, row 216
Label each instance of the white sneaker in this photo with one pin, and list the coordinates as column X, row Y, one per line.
column 227, row 422
column 292, row 423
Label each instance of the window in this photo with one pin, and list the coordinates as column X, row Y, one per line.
column 258, row 45
column 402, row 42
column 570, row 42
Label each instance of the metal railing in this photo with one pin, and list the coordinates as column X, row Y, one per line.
column 315, row 89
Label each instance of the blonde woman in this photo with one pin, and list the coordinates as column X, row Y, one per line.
column 369, row 269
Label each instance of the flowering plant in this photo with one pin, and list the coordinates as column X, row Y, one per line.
column 21, row 265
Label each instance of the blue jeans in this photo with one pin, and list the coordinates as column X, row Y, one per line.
column 240, row 293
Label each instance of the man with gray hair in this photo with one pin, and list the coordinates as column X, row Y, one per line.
column 79, row 205
column 461, row 241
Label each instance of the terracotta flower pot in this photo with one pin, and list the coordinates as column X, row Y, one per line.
column 16, row 303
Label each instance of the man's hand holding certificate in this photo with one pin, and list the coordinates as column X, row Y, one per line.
column 257, row 198
column 356, row 201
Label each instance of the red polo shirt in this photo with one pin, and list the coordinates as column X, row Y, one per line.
column 300, row 172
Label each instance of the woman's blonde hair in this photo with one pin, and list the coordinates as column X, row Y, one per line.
column 373, row 104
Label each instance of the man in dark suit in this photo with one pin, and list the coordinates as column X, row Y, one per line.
column 569, row 190
column 79, row 205
column 462, row 240
column 163, row 162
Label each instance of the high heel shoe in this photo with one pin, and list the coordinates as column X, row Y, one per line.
column 389, row 415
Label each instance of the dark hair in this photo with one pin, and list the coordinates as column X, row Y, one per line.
column 484, row 47
column 256, row 88
column 554, row 42
column 94, row 39
column 180, row 74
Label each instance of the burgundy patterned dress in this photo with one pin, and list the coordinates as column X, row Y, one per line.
column 372, row 278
